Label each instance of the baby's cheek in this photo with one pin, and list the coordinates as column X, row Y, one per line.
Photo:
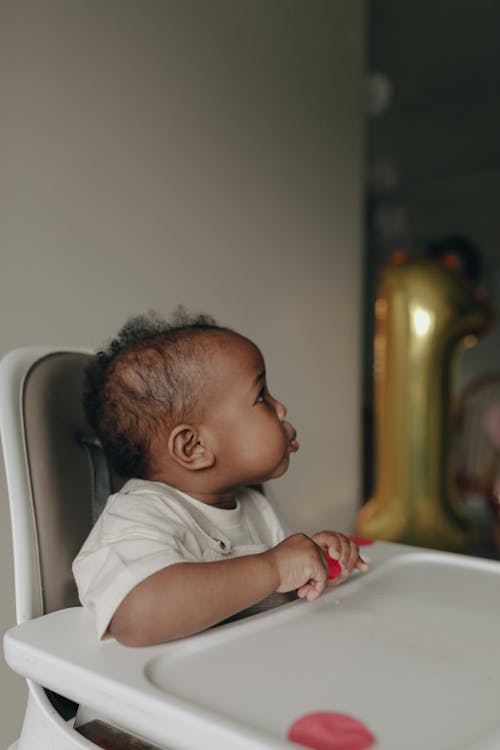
column 276, row 440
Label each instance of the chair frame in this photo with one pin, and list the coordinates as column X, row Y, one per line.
column 44, row 727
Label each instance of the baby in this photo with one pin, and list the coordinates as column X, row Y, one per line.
column 184, row 408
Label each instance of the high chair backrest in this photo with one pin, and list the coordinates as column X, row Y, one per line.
column 56, row 472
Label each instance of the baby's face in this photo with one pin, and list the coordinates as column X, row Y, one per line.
column 252, row 439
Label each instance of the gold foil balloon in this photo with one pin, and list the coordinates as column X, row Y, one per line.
column 425, row 312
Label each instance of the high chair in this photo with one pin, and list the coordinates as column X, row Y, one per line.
column 57, row 479
column 410, row 648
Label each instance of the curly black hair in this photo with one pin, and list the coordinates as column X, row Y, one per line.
column 144, row 378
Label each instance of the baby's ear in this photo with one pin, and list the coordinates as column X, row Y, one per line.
column 187, row 447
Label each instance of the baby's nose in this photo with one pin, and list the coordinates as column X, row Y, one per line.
column 280, row 410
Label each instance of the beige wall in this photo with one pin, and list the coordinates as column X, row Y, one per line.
column 200, row 152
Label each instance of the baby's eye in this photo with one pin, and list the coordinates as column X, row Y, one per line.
column 261, row 397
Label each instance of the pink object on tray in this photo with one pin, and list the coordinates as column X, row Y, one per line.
column 327, row 730
column 334, row 568
column 361, row 541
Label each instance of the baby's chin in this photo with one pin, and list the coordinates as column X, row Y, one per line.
column 281, row 469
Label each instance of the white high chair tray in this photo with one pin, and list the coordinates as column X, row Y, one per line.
column 411, row 649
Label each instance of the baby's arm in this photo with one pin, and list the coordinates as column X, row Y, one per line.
column 186, row 598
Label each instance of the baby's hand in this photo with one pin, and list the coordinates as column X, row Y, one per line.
column 300, row 564
column 342, row 549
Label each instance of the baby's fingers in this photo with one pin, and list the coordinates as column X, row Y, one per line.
column 342, row 553
column 353, row 557
column 337, row 574
column 361, row 565
column 310, row 590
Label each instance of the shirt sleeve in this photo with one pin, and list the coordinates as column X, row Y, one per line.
column 131, row 541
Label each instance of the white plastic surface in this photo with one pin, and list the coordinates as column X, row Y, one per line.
column 44, row 729
column 411, row 649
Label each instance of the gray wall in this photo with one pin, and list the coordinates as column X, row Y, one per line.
column 200, row 152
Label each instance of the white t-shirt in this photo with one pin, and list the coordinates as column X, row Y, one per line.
column 149, row 525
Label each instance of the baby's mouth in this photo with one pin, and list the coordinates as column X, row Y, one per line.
column 294, row 444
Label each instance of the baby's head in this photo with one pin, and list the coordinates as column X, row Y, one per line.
column 175, row 401
column 150, row 375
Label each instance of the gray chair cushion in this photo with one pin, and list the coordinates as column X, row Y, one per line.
column 68, row 478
